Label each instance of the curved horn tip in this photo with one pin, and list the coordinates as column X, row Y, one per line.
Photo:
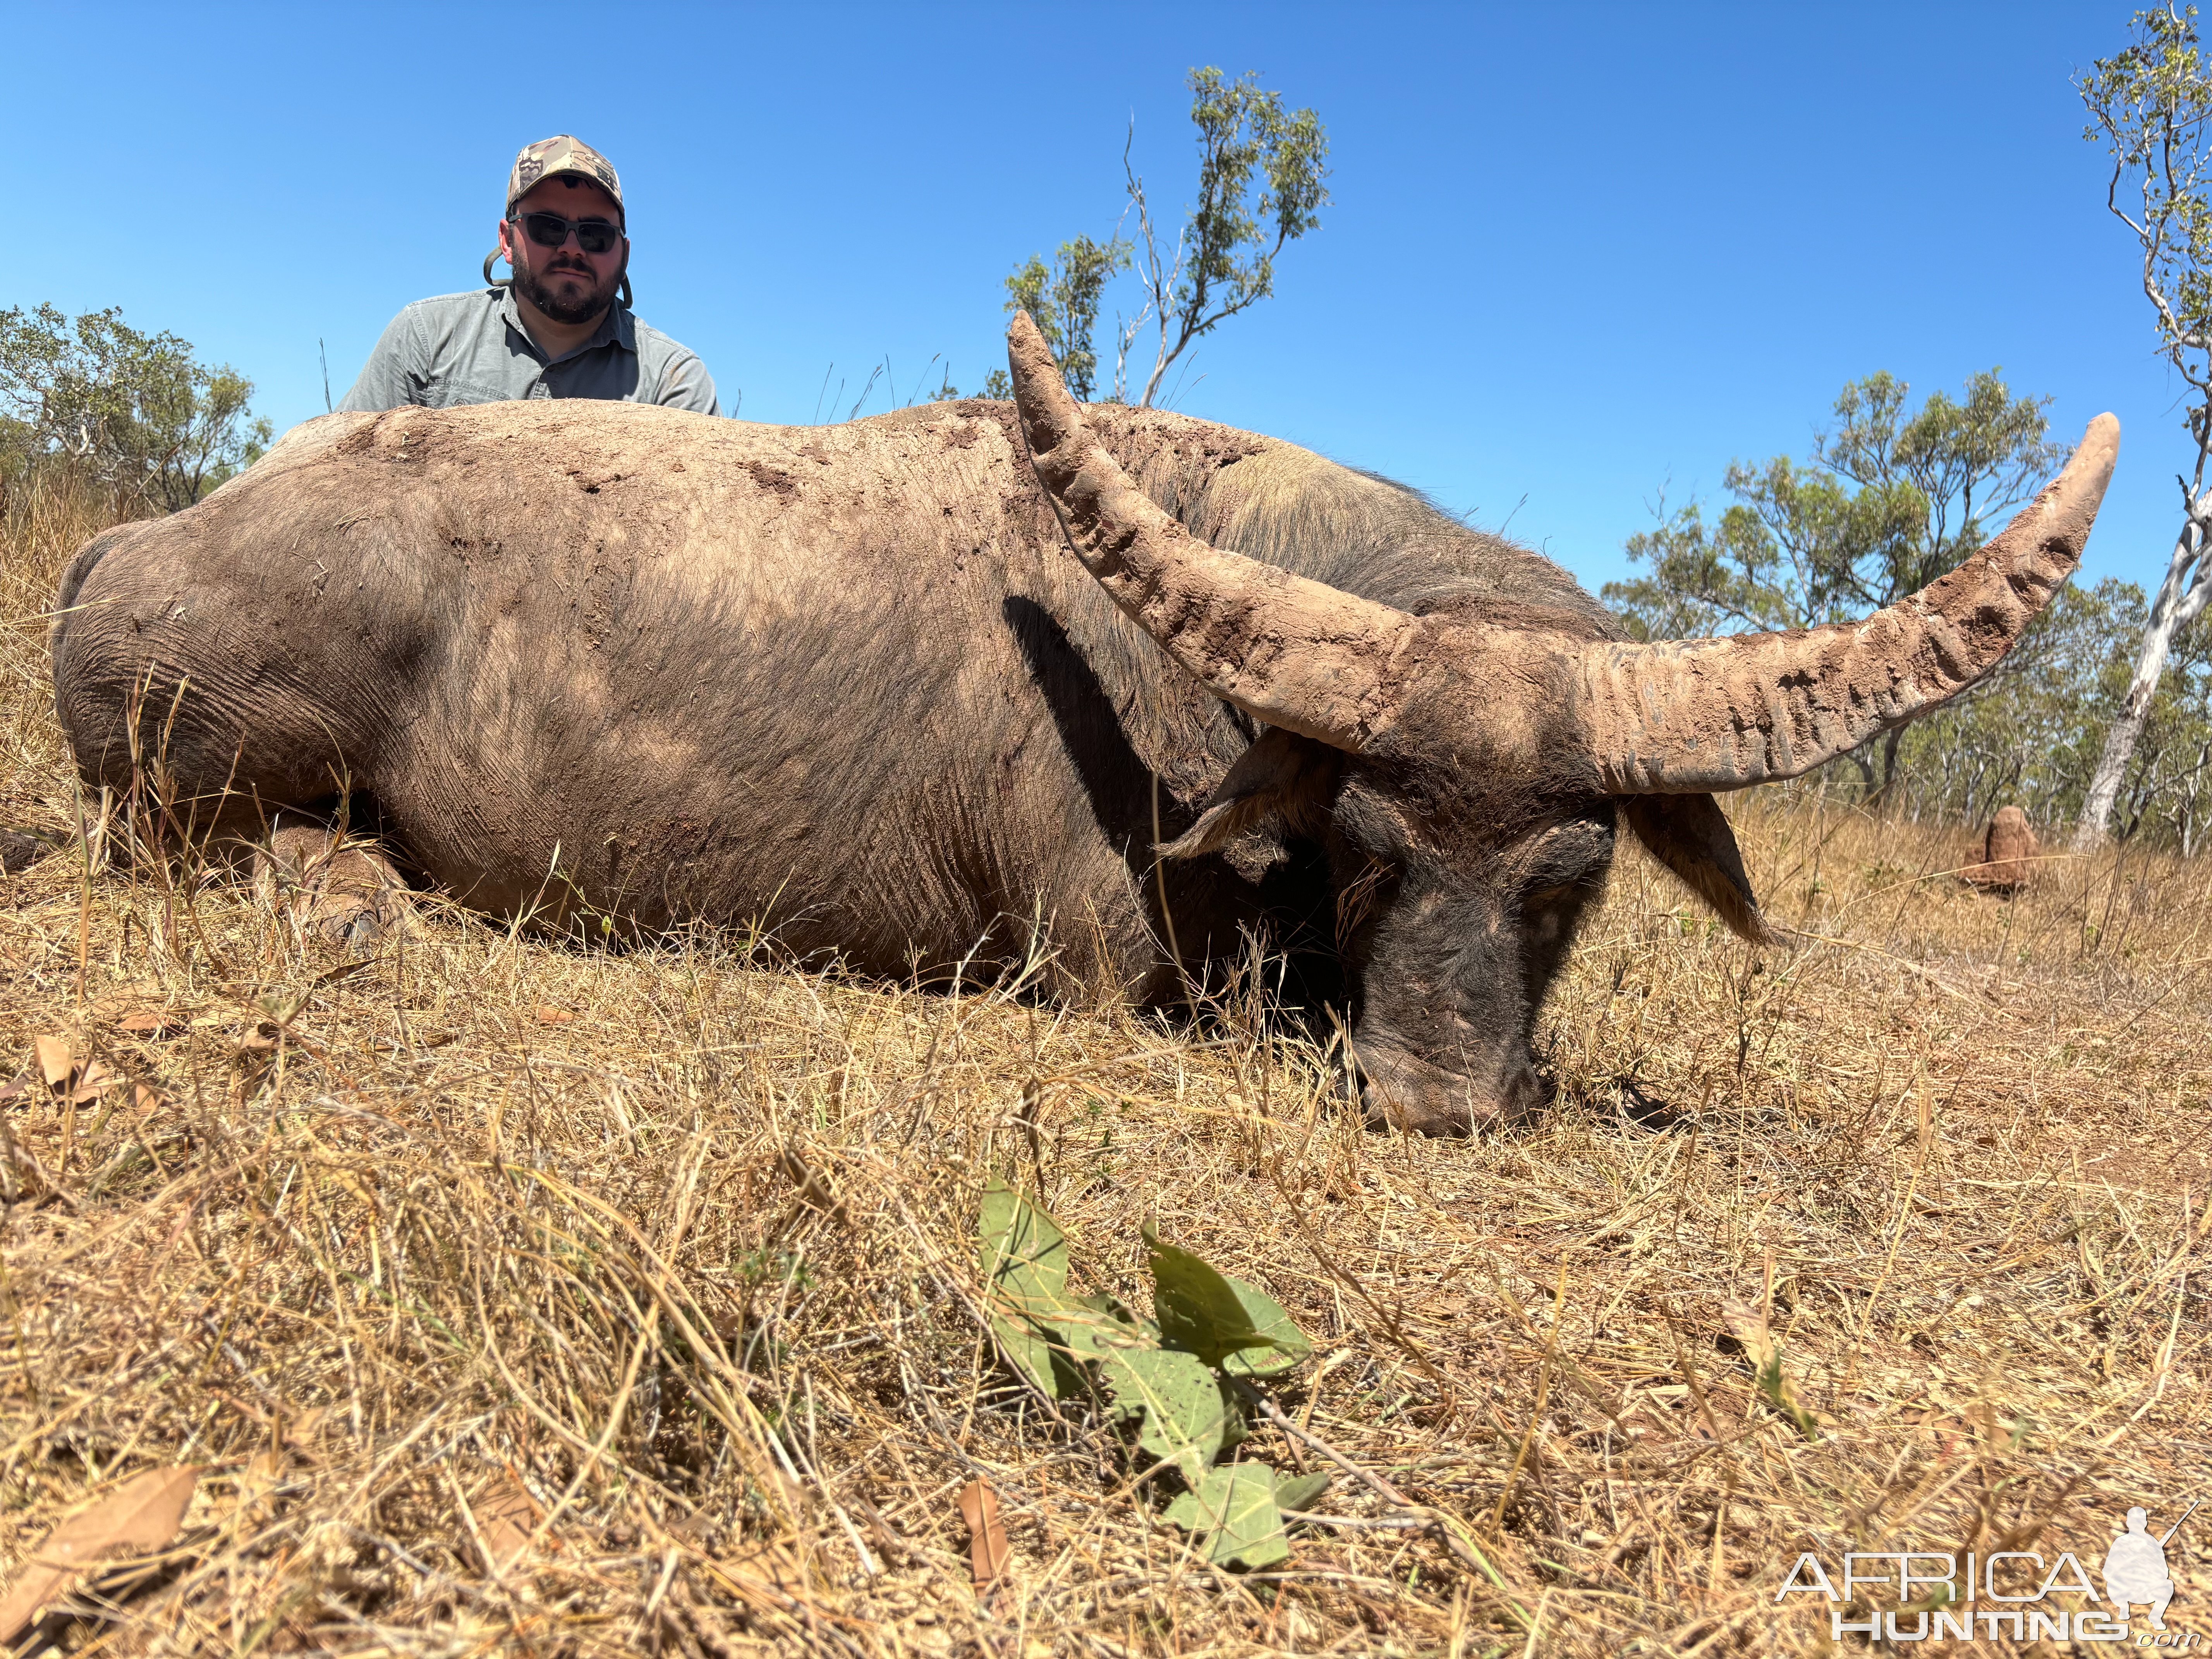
column 1047, row 412
column 2076, row 493
column 2101, row 449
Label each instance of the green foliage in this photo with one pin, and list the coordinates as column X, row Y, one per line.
column 1230, row 242
column 1198, row 1309
column 1260, row 173
column 1063, row 301
column 150, row 421
column 1891, row 502
column 1234, row 1515
column 1171, row 1379
column 1225, row 1322
column 1299, row 1492
column 1773, row 1382
column 1024, row 1261
column 1939, row 478
column 1172, row 1400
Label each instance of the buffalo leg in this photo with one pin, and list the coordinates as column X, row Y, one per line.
column 338, row 889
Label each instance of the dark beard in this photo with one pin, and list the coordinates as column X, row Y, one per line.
column 539, row 292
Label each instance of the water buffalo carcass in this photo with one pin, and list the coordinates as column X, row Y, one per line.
column 857, row 685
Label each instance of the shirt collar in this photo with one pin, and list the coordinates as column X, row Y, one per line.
column 616, row 328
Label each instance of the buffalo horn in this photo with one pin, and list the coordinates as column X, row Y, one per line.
column 1692, row 715
column 1292, row 652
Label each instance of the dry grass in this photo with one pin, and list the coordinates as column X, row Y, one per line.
column 693, row 1269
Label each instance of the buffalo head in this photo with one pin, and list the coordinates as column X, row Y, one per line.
column 1468, row 769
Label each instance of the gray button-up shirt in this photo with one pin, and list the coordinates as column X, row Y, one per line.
column 472, row 348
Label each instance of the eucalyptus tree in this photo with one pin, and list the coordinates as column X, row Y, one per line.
column 1260, row 174
column 138, row 412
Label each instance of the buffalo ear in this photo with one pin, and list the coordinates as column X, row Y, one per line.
column 1281, row 773
column 1690, row 836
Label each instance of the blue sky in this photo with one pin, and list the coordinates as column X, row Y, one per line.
column 1575, row 253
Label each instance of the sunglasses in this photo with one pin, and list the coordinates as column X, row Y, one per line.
column 551, row 230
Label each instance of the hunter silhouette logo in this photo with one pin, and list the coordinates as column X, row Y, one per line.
column 2135, row 1567
column 1928, row 1588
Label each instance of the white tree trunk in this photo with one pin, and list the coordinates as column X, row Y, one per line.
column 2181, row 600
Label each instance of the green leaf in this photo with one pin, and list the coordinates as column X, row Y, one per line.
column 1269, row 1319
column 1024, row 1256
column 1298, row 1492
column 1030, row 1352
column 1175, row 1400
column 1022, row 1253
column 1200, row 1311
column 1091, row 1326
column 1232, row 1517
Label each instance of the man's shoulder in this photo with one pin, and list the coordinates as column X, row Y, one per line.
column 669, row 372
column 443, row 310
column 653, row 345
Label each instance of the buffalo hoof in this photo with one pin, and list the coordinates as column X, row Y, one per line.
column 347, row 895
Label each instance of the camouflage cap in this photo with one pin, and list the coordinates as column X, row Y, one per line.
column 549, row 157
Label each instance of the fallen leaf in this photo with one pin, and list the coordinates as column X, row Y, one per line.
column 152, row 1024
column 989, row 1551
column 551, row 1015
column 257, row 1484
column 143, row 1513
column 506, row 1516
column 55, row 1061
column 94, row 1077
column 147, row 1098
column 303, row 1429
column 1749, row 1325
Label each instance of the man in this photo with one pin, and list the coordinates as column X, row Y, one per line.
column 556, row 329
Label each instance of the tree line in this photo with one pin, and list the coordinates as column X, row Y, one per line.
column 136, row 415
